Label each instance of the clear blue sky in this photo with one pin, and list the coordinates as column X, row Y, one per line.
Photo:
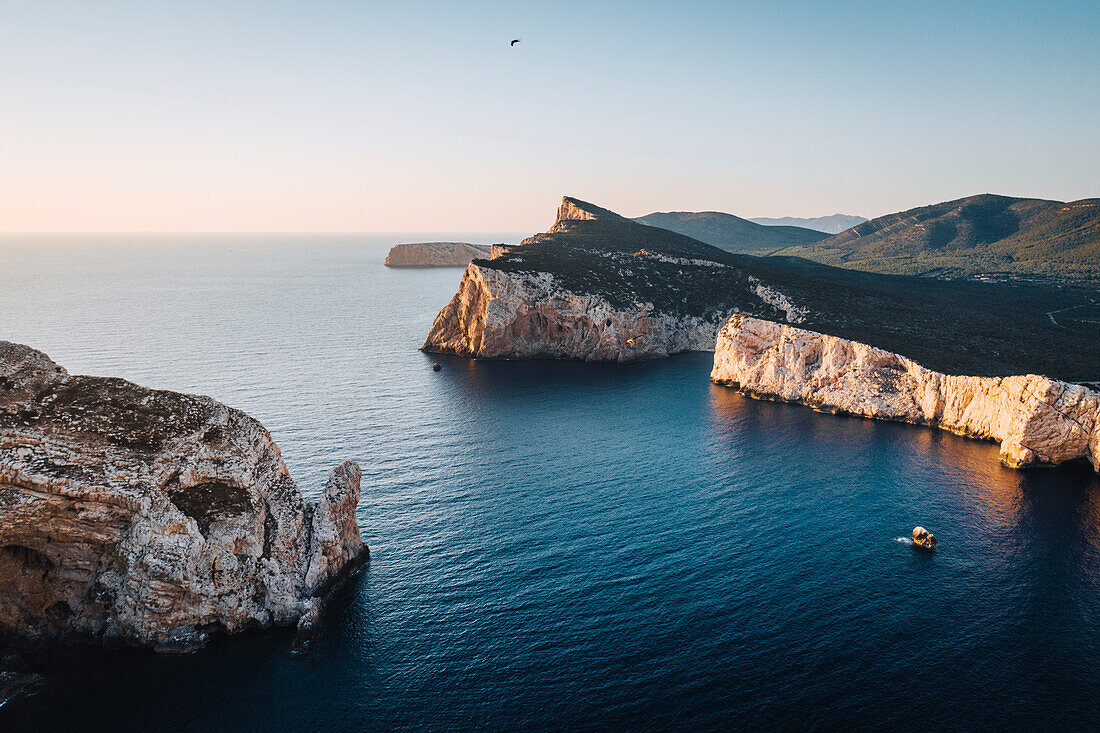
column 369, row 116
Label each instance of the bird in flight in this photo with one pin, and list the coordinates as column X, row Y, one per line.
column 515, row 41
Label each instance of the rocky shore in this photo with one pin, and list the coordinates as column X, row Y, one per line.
column 1037, row 420
column 153, row 518
column 434, row 254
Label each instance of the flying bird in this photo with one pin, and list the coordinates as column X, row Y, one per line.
column 515, row 41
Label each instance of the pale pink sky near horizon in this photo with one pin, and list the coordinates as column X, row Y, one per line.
column 377, row 117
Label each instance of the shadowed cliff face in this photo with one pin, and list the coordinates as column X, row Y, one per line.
column 151, row 517
column 1037, row 420
column 599, row 287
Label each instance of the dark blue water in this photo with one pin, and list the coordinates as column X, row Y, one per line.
column 562, row 545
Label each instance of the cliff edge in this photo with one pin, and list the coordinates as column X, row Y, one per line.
column 1037, row 420
column 147, row 517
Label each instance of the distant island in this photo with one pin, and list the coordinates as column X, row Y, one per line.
column 434, row 254
column 985, row 236
column 834, row 224
column 731, row 233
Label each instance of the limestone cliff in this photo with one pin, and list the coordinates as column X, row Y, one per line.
column 150, row 517
column 498, row 315
column 434, row 254
column 1037, row 420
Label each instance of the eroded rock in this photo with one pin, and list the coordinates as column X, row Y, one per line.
column 151, row 517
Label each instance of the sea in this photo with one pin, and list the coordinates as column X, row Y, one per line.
column 561, row 545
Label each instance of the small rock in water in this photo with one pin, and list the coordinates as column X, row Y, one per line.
column 923, row 539
column 309, row 625
column 436, row 367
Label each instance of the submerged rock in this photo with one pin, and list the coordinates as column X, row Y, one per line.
column 923, row 539
column 150, row 517
column 1037, row 420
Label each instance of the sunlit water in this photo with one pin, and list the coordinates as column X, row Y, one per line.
column 562, row 544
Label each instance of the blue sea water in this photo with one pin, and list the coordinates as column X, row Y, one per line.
column 564, row 545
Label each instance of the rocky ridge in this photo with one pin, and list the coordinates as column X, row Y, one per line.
column 147, row 517
column 1037, row 420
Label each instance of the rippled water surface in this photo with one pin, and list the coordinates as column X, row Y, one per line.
column 561, row 544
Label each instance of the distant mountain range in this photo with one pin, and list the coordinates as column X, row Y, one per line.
column 829, row 224
column 984, row 235
column 731, row 233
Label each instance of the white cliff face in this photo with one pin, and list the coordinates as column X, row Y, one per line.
column 149, row 517
column 525, row 315
column 1037, row 420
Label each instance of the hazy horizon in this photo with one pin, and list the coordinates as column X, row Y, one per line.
column 363, row 118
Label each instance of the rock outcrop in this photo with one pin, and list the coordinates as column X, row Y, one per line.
column 1037, row 420
column 924, row 539
column 138, row 516
column 434, row 254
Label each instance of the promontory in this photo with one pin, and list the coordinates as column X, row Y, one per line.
column 154, row 518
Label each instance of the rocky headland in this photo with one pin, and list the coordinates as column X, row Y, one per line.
column 153, row 518
column 434, row 254
column 599, row 287
column 1036, row 419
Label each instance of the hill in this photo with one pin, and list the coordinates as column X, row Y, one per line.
column 729, row 232
column 829, row 224
column 979, row 236
column 598, row 286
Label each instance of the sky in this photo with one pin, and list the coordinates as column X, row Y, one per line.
column 419, row 116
